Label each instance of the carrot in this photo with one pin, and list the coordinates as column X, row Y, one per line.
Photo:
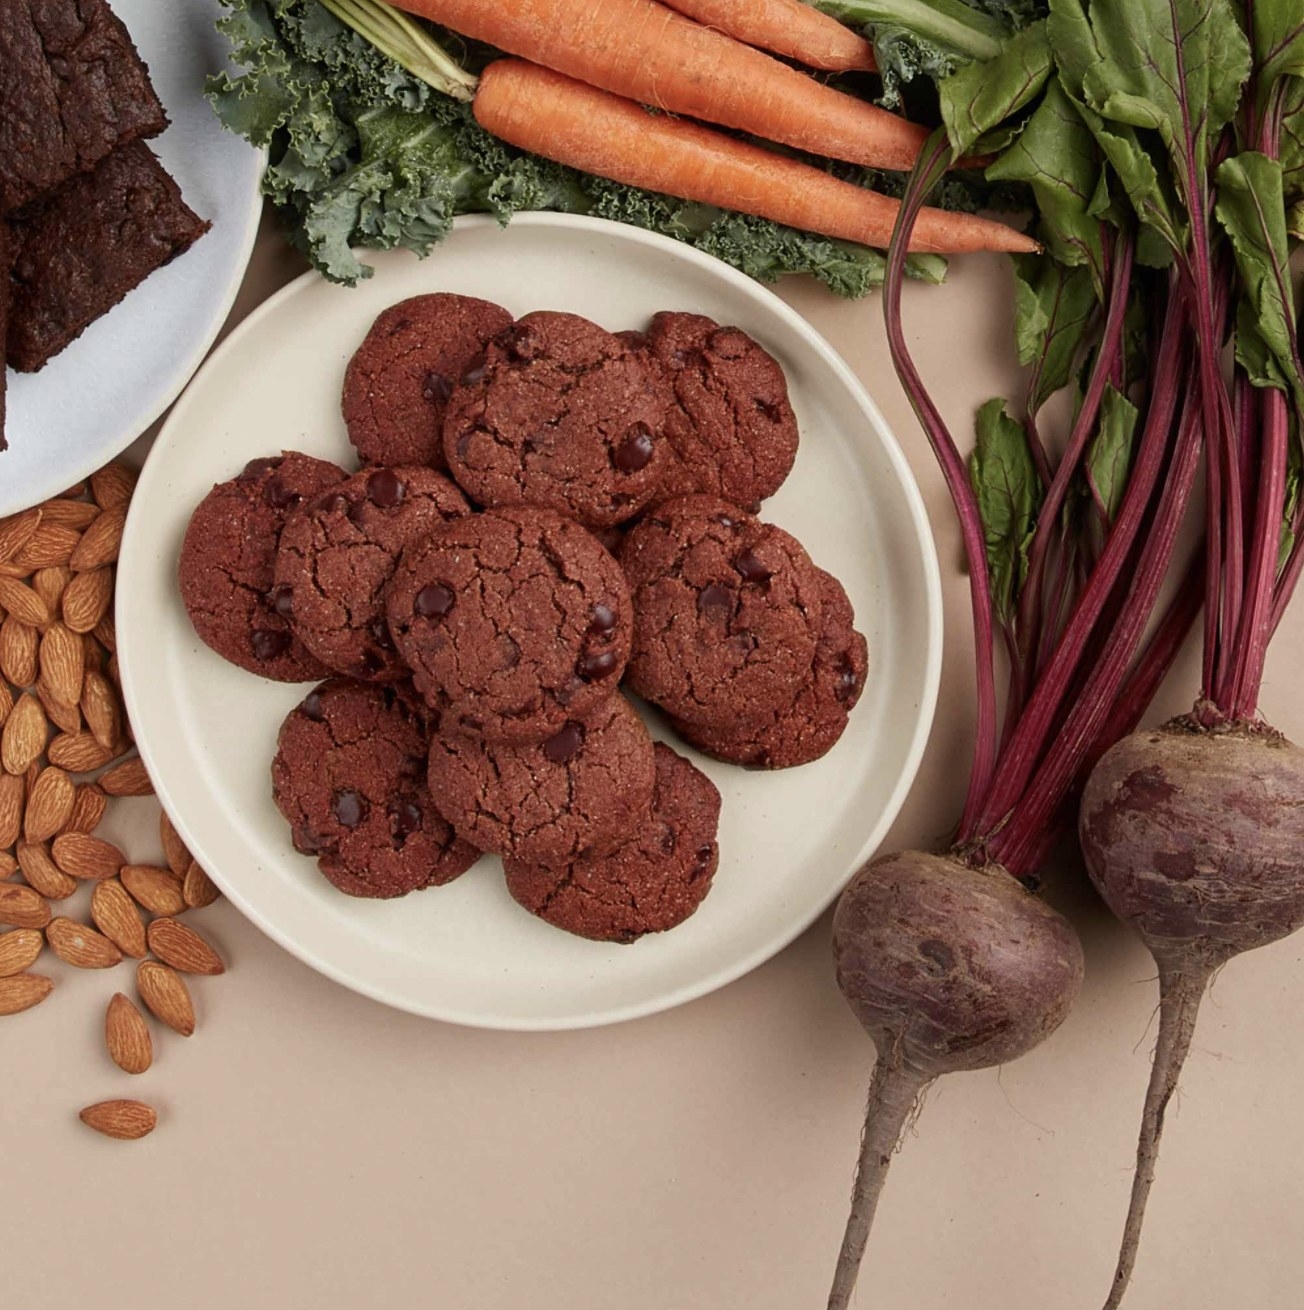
column 644, row 51
column 786, row 27
column 576, row 124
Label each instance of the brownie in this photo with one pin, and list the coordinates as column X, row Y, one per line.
column 6, row 247
column 72, row 89
column 81, row 250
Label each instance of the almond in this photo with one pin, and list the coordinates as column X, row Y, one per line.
column 86, row 599
column 84, row 856
column 22, row 603
column 156, row 890
column 197, row 888
column 19, row 950
column 23, row 991
column 100, row 542
column 123, row 1120
column 179, row 945
column 116, row 916
column 24, row 735
column 18, row 646
column 77, row 514
column 6, row 701
column 8, row 865
column 67, row 718
column 49, row 804
column 17, row 531
column 42, row 873
column 51, row 544
column 63, row 660
column 113, row 485
column 13, row 787
column 92, row 652
column 78, row 752
column 166, row 996
column 105, row 633
column 174, row 849
column 21, row 907
column 49, row 584
column 100, row 708
column 81, row 946
column 87, row 809
column 127, row 1036
column 75, row 492
column 127, row 779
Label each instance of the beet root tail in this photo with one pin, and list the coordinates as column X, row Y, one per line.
column 893, row 1094
column 1181, row 990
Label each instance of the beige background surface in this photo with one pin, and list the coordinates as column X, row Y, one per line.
column 316, row 1149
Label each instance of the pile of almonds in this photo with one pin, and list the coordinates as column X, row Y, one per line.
column 65, row 752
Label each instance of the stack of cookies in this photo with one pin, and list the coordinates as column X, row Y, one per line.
column 546, row 511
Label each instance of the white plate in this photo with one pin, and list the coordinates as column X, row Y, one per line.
column 96, row 397
column 466, row 952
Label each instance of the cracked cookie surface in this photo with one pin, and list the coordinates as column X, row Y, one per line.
column 811, row 726
column 652, row 881
column 227, row 558
column 727, row 611
column 397, row 385
column 338, row 552
column 582, row 789
column 349, row 777
column 514, row 622
column 559, row 413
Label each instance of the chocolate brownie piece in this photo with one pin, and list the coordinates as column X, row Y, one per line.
column 730, row 424
column 338, row 552
column 227, row 557
column 397, row 384
column 513, row 622
column 81, row 250
column 72, row 88
column 349, row 777
column 655, row 878
column 584, row 789
column 559, row 413
column 727, row 611
column 811, row 725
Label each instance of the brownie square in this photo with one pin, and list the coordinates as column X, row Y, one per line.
column 72, row 88
column 79, row 251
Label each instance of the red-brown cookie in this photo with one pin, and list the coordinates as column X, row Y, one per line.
column 350, row 778
column 397, row 384
column 560, row 413
column 582, row 790
column 651, row 882
column 337, row 554
column 811, row 726
column 727, row 611
column 227, row 558
column 514, row 622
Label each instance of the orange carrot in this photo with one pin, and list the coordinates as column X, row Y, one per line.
column 644, row 51
column 786, row 27
column 573, row 123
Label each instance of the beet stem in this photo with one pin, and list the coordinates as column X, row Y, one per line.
column 894, row 1092
column 1181, row 989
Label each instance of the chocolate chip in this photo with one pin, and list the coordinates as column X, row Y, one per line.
column 602, row 619
column 752, row 567
column 332, row 502
column 705, row 854
column 434, row 601
column 348, row 807
column 474, row 371
column 311, row 706
column 381, row 635
column 370, row 663
column 596, row 664
column 282, row 599
column 385, row 489
column 635, row 451
column 306, row 840
column 465, row 440
column 847, row 680
column 256, row 468
column 714, row 597
column 436, row 388
column 404, row 819
column 565, row 744
column 279, row 496
column 566, row 694
column 520, row 343
column 668, row 839
column 743, row 643
column 511, row 652
column 267, row 645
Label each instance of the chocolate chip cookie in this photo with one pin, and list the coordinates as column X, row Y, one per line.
column 811, row 725
column 397, row 384
column 559, row 413
column 227, row 558
column 730, row 424
column 514, row 622
column 652, row 881
column 338, row 552
column 583, row 789
column 350, row 778
column 727, row 612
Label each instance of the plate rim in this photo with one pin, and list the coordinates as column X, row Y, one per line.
column 135, row 530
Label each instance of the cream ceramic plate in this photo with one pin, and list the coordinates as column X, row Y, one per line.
column 96, row 397
column 466, row 952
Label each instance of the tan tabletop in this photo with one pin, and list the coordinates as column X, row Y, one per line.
column 316, row 1150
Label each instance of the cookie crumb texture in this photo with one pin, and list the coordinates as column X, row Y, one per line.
column 514, row 622
column 727, row 612
column 337, row 554
column 652, row 881
column 559, row 413
column 349, row 777
column 582, row 790
column 227, row 560
column 398, row 383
